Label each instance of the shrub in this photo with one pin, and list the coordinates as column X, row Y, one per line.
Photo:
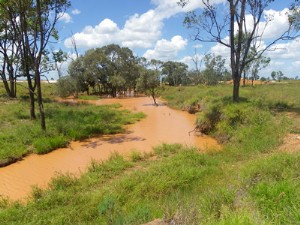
column 208, row 120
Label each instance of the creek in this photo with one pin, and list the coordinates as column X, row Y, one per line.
column 161, row 125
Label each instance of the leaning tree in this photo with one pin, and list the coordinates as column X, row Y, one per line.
column 239, row 27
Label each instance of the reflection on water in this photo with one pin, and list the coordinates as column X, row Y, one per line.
column 162, row 125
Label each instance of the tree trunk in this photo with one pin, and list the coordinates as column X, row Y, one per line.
column 12, row 88
column 5, row 83
column 37, row 67
column 32, row 106
column 244, row 77
column 31, row 98
column 9, row 87
column 236, row 87
column 40, row 102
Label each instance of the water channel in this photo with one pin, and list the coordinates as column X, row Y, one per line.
column 162, row 125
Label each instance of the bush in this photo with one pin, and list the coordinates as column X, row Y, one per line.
column 208, row 120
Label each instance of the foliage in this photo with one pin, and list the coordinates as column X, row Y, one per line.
column 215, row 69
column 149, row 82
column 111, row 70
column 175, row 73
column 66, row 86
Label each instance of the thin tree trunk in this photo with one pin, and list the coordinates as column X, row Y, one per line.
column 5, row 84
column 37, row 66
column 32, row 105
column 236, row 88
column 40, row 101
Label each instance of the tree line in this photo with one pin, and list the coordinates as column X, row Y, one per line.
column 113, row 69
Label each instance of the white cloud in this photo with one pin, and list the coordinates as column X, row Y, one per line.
column 75, row 12
column 191, row 60
column 65, row 17
column 274, row 25
column 166, row 50
column 288, row 50
column 106, row 32
column 107, row 26
column 139, row 31
column 277, row 25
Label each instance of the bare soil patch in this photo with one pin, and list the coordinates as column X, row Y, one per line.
column 291, row 143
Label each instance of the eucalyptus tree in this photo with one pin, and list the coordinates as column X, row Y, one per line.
column 256, row 65
column 149, row 82
column 175, row 73
column 58, row 58
column 214, row 69
column 76, row 73
column 33, row 23
column 9, row 51
column 121, row 68
column 213, row 24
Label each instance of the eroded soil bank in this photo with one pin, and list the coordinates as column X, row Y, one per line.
column 162, row 125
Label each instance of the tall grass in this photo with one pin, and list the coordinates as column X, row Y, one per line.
column 65, row 122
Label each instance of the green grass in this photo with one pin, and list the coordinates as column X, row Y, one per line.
column 272, row 96
column 179, row 184
column 65, row 122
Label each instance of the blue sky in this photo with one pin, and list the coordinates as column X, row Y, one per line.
column 154, row 29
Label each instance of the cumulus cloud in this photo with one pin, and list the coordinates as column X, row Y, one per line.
column 136, row 33
column 102, row 34
column 166, row 50
column 65, row 17
column 139, row 31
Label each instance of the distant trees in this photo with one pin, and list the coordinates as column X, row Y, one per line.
column 110, row 69
column 215, row 69
column 175, row 73
column 113, row 69
column 254, row 66
column 277, row 75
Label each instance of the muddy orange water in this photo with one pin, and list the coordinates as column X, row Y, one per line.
column 162, row 125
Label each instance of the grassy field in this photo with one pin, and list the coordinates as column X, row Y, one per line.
column 249, row 182
column 65, row 122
